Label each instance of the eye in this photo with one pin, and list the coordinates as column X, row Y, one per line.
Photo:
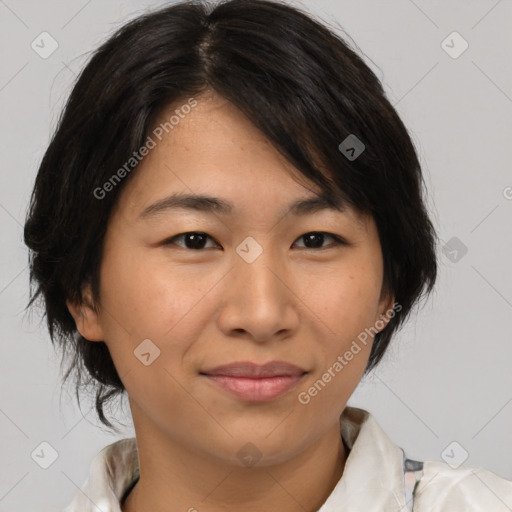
column 314, row 239
column 196, row 240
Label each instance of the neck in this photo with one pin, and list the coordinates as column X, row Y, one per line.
column 174, row 479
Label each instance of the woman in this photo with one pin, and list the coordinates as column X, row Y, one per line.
column 229, row 225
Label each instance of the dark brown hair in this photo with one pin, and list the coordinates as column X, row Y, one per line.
column 297, row 80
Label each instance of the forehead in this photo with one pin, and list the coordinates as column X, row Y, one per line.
column 213, row 158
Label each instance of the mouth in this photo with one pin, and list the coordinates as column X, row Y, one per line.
column 253, row 382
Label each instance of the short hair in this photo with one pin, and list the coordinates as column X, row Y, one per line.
column 293, row 77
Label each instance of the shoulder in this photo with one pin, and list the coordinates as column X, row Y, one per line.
column 467, row 488
column 111, row 472
column 377, row 463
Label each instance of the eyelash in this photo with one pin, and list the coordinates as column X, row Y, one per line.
column 337, row 240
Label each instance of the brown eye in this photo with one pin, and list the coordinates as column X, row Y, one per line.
column 197, row 240
column 315, row 240
column 194, row 240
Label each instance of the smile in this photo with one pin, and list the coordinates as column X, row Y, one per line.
column 262, row 389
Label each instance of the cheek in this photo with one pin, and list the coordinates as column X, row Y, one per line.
column 145, row 296
column 345, row 302
column 345, row 299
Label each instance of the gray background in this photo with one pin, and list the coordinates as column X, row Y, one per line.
column 446, row 378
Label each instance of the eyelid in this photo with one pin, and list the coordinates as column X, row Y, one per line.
column 338, row 240
column 170, row 240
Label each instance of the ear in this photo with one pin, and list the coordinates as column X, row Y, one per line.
column 86, row 316
column 387, row 310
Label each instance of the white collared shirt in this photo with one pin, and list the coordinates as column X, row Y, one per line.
column 377, row 477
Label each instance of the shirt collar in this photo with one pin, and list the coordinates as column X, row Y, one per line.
column 372, row 479
column 373, row 475
column 111, row 472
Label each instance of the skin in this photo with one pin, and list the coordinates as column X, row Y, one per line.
column 207, row 307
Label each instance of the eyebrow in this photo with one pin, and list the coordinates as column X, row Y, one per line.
column 217, row 205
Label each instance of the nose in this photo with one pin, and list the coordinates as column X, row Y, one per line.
column 260, row 300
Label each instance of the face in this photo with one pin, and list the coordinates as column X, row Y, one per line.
column 207, row 287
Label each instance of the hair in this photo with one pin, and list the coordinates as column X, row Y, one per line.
column 293, row 77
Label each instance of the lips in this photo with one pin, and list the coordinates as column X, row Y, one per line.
column 252, row 370
column 251, row 382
